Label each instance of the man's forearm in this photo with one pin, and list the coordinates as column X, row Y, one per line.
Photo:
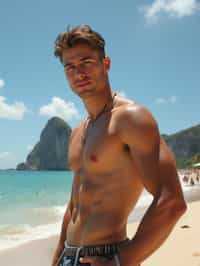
column 60, row 245
column 57, row 254
column 154, row 228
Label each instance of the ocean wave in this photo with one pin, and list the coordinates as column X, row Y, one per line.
column 30, row 218
column 12, row 236
column 10, row 229
column 48, row 214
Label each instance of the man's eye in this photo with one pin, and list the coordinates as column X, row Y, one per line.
column 69, row 68
column 88, row 62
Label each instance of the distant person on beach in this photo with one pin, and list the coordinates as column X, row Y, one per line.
column 114, row 154
column 197, row 177
column 185, row 179
column 192, row 182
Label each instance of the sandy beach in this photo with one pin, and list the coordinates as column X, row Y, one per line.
column 182, row 248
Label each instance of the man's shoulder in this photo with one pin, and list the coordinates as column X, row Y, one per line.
column 131, row 112
column 136, row 125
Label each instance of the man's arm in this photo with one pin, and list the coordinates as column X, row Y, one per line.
column 66, row 220
column 60, row 245
column 156, row 165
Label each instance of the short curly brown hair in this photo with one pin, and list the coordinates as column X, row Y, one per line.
column 78, row 35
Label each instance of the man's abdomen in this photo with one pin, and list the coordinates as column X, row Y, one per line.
column 97, row 228
column 100, row 212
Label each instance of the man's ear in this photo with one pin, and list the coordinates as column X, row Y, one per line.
column 107, row 62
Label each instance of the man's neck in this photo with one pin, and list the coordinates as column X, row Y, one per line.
column 98, row 103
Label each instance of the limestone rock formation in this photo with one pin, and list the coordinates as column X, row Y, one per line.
column 21, row 166
column 51, row 152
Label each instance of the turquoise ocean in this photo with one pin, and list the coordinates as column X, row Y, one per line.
column 32, row 204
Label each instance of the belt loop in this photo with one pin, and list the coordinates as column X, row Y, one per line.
column 65, row 243
column 77, row 255
column 117, row 261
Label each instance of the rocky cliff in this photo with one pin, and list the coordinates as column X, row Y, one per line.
column 51, row 152
column 186, row 143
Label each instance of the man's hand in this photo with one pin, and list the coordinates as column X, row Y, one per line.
column 98, row 261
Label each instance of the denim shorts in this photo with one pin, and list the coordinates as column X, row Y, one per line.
column 69, row 260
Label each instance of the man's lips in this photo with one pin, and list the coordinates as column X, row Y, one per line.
column 83, row 83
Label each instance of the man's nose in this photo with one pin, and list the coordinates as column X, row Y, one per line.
column 80, row 73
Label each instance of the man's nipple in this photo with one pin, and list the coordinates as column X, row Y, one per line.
column 93, row 158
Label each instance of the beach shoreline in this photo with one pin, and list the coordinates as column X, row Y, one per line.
column 30, row 212
column 180, row 249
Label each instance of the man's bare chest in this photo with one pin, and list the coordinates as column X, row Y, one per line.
column 96, row 149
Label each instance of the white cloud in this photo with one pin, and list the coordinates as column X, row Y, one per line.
column 6, row 155
column 2, row 83
column 58, row 107
column 160, row 100
column 29, row 147
column 14, row 111
column 171, row 100
column 121, row 93
column 175, row 8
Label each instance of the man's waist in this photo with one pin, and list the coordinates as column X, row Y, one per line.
column 104, row 250
column 95, row 232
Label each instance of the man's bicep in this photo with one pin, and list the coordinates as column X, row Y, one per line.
column 152, row 157
column 139, row 130
column 167, row 169
column 159, row 174
column 148, row 167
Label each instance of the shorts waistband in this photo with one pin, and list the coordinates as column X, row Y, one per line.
column 106, row 250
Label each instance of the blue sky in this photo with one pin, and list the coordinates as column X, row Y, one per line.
column 154, row 47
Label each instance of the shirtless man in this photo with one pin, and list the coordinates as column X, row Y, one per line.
column 115, row 153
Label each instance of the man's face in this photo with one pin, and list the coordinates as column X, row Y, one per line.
column 85, row 71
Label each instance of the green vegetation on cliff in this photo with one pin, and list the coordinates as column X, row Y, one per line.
column 185, row 146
